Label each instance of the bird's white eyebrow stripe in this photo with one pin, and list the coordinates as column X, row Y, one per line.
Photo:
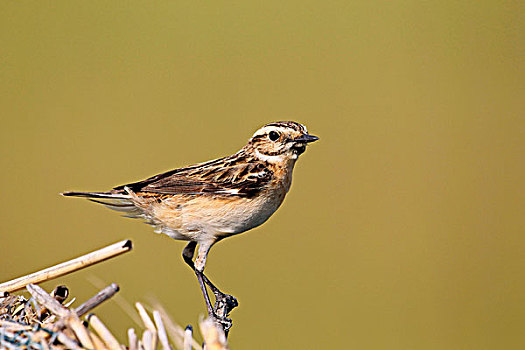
column 267, row 129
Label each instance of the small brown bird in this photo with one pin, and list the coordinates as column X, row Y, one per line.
column 207, row 202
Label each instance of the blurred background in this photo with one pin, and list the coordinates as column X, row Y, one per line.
column 404, row 227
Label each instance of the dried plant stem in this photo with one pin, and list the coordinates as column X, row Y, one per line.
column 104, row 333
column 14, row 326
column 213, row 335
column 47, row 301
column 97, row 342
column 80, row 331
column 145, row 317
column 175, row 331
column 161, row 330
column 42, row 322
column 68, row 266
column 149, row 337
column 98, row 299
column 188, row 337
column 132, row 339
column 149, row 340
column 68, row 342
column 44, row 345
column 124, row 304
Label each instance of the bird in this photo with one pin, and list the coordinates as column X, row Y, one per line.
column 207, row 202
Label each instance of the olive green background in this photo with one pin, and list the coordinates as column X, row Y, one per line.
column 404, row 227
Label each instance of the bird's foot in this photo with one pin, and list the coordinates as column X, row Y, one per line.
column 224, row 322
column 224, row 304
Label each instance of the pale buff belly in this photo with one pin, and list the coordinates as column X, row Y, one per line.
column 211, row 218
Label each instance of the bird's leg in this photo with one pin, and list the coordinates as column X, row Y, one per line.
column 211, row 311
column 224, row 303
column 187, row 255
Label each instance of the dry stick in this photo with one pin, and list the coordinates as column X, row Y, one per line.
column 38, row 336
column 149, row 340
column 145, row 317
column 98, row 299
column 47, row 301
column 68, row 266
column 150, row 327
column 60, row 293
column 132, row 339
column 104, row 333
column 163, row 337
column 175, row 331
column 80, row 331
column 68, row 342
column 97, row 342
column 123, row 303
column 213, row 335
column 14, row 326
column 58, row 309
column 44, row 345
column 87, row 340
column 188, row 337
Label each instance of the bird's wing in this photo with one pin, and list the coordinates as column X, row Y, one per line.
column 228, row 176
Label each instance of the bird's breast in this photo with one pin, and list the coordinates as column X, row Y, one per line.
column 216, row 216
column 226, row 216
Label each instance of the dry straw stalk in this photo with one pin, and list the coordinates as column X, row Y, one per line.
column 68, row 266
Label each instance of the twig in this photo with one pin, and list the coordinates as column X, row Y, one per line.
column 98, row 299
column 58, row 309
column 68, row 342
column 80, row 331
column 108, row 338
column 68, row 266
column 60, row 293
column 47, row 301
column 188, row 337
column 213, row 335
column 163, row 337
column 97, row 342
column 149, row 340
column 14, row 326
column 123, row 303
column 145, row 317
column 132, row 339
column 175, row 331
column 44, row 345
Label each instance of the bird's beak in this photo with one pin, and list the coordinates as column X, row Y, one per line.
column 306, row 138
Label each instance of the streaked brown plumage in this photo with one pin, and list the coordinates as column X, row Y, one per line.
column 207, row 202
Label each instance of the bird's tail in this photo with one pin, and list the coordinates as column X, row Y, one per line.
column 118, row 201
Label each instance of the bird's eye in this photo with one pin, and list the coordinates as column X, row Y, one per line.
column 273, row 135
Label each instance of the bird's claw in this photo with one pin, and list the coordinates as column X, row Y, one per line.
column 224, row 322
column 224, row 304
column 229, row 300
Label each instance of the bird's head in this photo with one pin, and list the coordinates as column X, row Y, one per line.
column 280, row 142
